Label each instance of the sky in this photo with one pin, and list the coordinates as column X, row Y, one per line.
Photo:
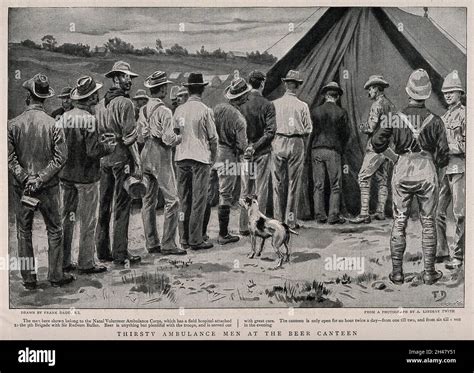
column 232, row 29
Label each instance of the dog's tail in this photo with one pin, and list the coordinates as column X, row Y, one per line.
column 288, row 231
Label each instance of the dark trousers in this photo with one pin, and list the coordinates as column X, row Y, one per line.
column 49, row 209
column 212, row 194
column 193, row 186
column 111, row 190
column 328, row 161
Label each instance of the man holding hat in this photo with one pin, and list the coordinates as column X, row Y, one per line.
column 374, row 164
column 231, row 129
column 81, row 173
column 261, row 126
column 66, row 103
column 116, row 120
column 420, row 141
column 36, row 153
column 452, row 181
column 293, row 126
column 194, row 157
column 156, row 121
column 327, row 142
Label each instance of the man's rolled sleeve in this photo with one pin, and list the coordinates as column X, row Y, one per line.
column 374, row 117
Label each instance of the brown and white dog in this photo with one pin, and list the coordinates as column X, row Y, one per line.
column 264, row 227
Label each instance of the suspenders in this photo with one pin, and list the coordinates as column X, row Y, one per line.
column 416, row 132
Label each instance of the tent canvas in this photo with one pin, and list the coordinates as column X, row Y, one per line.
column 350, row 44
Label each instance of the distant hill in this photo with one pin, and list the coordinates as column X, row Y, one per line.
column 64, row 70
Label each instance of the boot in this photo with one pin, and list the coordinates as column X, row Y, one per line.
column 428, row 242
column 397, row 250
column 363, row 217
column 225, row 237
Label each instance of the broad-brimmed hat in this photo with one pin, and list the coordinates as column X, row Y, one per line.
column 292, row 76
column 195, row 79
column 140, row 94
column 377, row 80
column 182, row 91
column 257, row 75
column 39, row 86
column 85, row 87
column 452, row 83
column 237, row 88
column 156, row 79
column 65, row 92
column 419, row 85
column 121, row 67
column 332, row 87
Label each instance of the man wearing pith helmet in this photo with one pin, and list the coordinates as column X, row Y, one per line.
column 452, row 181
column 116, row 120
column 374, row 165
column 36, row 153
column 80, row 175
column 420, row 141
column 156, row 120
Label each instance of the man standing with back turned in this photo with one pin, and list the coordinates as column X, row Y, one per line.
column 293, row 126
column 37, row 151
column 420, row 141
column 330, row 134
column 261, row 126
column 194, row 157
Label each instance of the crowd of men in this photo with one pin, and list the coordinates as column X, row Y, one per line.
column 73, row 172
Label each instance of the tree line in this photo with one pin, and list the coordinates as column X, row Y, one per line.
column 119, row 46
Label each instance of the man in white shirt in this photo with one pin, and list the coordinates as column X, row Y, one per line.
column 293, row 126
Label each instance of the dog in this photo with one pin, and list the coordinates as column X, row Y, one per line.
column 264, row 227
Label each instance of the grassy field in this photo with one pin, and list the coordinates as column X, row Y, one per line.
column 64, row 70
column 222, row 276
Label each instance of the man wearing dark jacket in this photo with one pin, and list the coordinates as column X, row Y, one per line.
column 259, row 114
column 420, row 141
column 328, row 139
column 36, row 153
column 81, row 173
